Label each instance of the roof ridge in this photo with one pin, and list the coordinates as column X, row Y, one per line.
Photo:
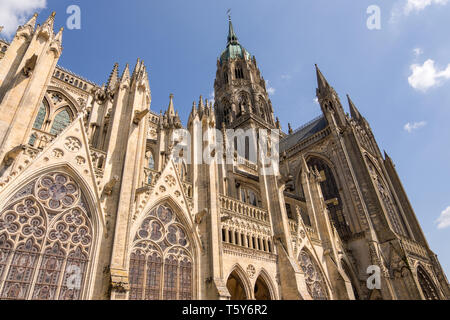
column 307, row 124
column 77, row 75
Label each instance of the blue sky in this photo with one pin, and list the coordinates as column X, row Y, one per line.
column 398, row 76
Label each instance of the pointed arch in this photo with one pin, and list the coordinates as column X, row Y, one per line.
column 62, row 120
column 162, row 257
column 314, row 276
column 238, row 284
column 330, row 187
column 427, row 285
column 66, row 239
column 264, row 277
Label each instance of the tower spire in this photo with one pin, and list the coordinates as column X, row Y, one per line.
column 354, row 112
column 322, row 83
column 232, row 37
column 171, row 109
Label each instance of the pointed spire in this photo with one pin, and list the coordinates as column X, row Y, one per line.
column 200, row 105
column 125, row 74
column 171, row 109
column 58, row 36
column 353, row 110
column 136, row 67
column 32, row 21
column 232, row 37
column 386, row 156
column 50, row 20
column 290, row 129
column 322, row 83
column 113, row 77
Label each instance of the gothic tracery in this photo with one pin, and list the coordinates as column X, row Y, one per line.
column 161, row 263
column 45, row 241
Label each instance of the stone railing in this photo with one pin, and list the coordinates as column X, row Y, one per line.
column 413, row 247
column 243, row 209
column 40, row 139
column 247, row 165
column 151, row 176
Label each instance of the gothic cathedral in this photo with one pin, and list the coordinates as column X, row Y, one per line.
column 95, row 204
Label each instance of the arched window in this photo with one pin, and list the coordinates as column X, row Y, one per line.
column 61, row 121
column 39, row 121
column 331, row 195
column 151, row 160
column 249, row 196
column 313, row 276
column 238, row 73
column 426, row 284
column 161, row 264
column 46, row 227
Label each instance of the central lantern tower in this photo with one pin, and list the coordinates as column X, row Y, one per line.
column 240, row 90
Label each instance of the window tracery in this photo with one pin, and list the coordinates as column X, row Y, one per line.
column 45, row 240
column 161, row 265
column 313, row 277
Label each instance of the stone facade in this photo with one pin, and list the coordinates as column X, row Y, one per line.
column 96, row 204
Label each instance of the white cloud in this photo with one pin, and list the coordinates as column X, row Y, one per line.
column 417, row 51
column 286, row 77
column 16, row 12
column 419, row 5
column 410, row 127
column 426, row 76
column 270, row 90
column 444, row 219
column 316, row 100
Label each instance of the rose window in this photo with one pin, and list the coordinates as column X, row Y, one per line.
column 57, row 191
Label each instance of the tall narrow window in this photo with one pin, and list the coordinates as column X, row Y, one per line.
column 61, row 121
column 151, row 161
column 39, row 121
column 170, row 278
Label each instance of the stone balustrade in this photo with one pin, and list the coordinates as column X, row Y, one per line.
column 151, row 176
column 40, row 139
column 243, row 209
column 414, row 247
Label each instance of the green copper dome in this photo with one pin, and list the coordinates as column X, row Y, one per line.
column 234, row 50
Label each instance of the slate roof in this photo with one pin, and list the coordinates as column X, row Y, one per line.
column 305, row 131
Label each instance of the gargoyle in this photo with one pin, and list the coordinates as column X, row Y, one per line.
column 139, row 115
column 108, row 188
column 12, row 155
column 30, row 65
column 199, row 216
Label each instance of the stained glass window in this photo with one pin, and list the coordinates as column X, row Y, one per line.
column 313, row 277
column 151, row 161
column 47, row 228
column 136, row 276
column 39, row 121
column 61, row 121
column 161, row 263
column 426, row 284
column 154, row 265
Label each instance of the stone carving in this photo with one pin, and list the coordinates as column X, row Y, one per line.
column 72, row 144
